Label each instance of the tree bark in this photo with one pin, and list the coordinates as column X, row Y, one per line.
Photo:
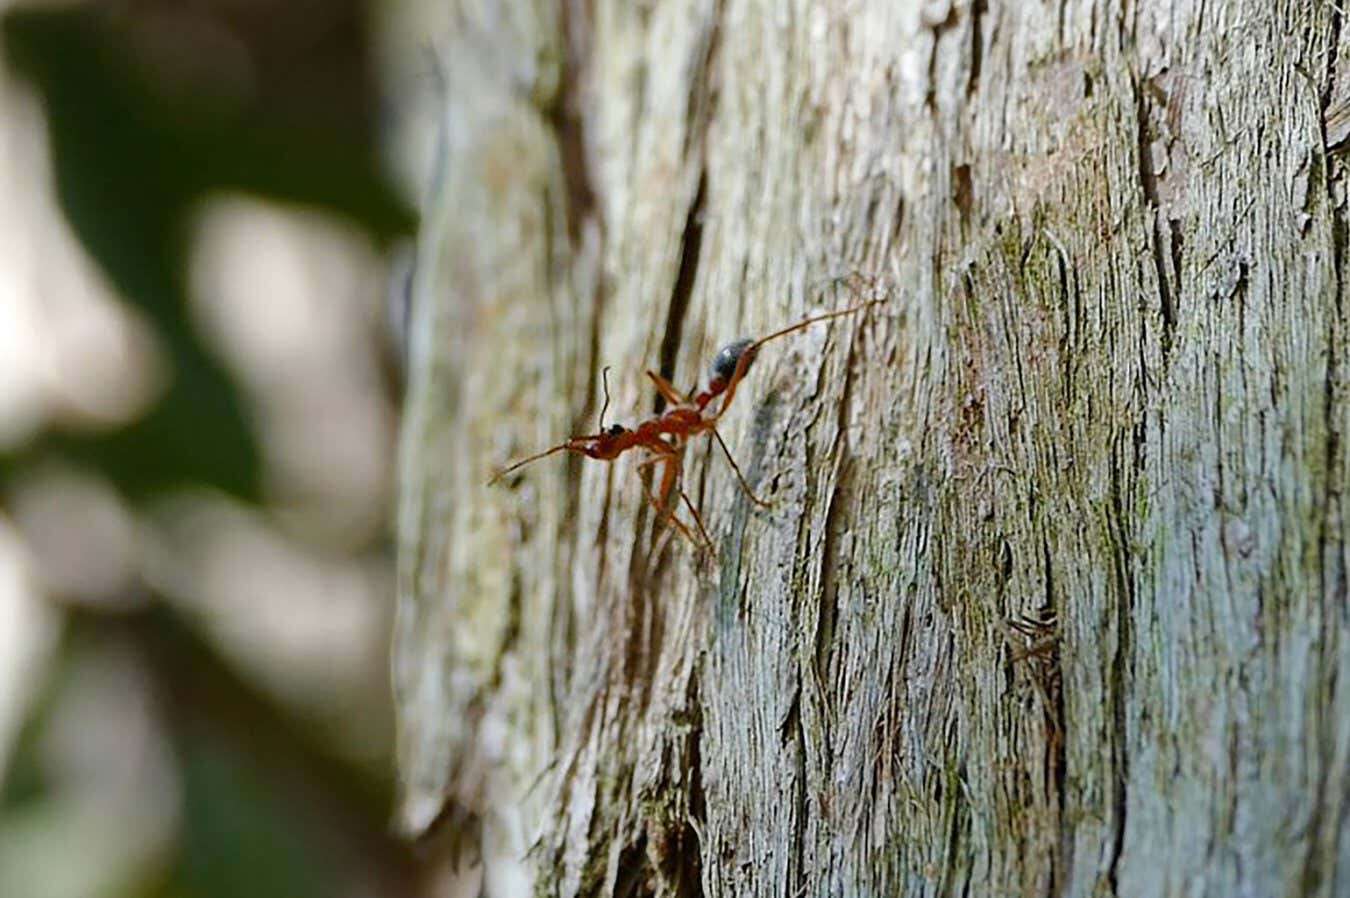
column 1051, row 598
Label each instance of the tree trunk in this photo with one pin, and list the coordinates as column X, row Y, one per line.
column 1051, row 597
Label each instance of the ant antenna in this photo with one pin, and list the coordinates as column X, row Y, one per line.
column 525, row 461
column 604, row 376
column 801, row 325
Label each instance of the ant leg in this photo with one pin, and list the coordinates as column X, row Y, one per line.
column 671, row 458
column 667, row 514
column 654, row 460
column 667, row 389
column 737, row 468
column 698, row 519
column 674, row 459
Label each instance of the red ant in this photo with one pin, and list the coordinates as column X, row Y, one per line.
column 664, row 435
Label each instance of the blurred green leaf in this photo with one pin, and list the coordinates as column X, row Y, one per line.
column 132, row 161
column 267, row 807
column 238, row 840
column 268, row 810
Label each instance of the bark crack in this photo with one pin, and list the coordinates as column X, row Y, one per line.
column 799, row 803
column 1148, row 181
column 568, row 123
column 699, row 111
column 953, row 852
column 977, row 10
column 691, row 243
column 829, row 605
column 1119, row 673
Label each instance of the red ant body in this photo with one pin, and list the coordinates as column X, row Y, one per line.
column 664, row 435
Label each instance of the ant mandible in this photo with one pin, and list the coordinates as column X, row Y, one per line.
column 664, row 435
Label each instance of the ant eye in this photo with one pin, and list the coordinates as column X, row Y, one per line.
column 724, row 364
column 616, row 429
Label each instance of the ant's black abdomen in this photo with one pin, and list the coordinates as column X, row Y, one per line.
column 724, row 364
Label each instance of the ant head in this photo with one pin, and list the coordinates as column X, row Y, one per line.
column 726, row 360
column 603, row 445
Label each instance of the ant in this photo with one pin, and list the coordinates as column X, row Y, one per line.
column 664, row 435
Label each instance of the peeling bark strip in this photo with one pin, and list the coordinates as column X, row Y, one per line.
column 1052, row 595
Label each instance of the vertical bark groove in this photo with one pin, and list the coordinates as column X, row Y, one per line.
column 691, row 244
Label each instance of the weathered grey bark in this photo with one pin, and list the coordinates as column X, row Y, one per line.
column 1052, row 595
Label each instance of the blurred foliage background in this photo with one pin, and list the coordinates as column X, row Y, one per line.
column 202, row 202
